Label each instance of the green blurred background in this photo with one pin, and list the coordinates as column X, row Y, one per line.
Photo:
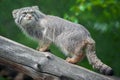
column 100, row 17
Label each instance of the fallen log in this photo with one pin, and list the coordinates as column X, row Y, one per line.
column 39, row 65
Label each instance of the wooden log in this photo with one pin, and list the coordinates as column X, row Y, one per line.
column 38, row 64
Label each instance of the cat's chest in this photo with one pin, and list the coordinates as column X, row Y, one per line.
column 33, row 31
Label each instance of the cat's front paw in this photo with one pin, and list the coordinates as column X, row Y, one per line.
column 43, row 49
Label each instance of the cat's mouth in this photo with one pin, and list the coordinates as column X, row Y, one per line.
column 29, row 17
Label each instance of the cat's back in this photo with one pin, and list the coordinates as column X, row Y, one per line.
column 66, row 25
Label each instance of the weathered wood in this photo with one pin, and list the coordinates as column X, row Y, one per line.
column 36, row 64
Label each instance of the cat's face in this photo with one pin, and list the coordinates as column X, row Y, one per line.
column 25, row 16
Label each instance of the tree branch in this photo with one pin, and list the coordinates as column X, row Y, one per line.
column 38, row 64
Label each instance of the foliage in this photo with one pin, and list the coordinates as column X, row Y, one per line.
column 103, row 15
column 100, row 17
column 1, row 78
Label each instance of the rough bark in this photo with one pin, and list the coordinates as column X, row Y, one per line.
column 41, row 65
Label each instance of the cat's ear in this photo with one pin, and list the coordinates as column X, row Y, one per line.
column 35, row 7
column 14, row 12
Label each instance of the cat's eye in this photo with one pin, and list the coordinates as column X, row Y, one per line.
column 31, row 12
column 24, row 12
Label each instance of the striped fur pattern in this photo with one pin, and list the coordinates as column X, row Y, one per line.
column 73, row 39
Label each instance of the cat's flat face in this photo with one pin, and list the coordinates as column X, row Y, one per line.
column 26, row 15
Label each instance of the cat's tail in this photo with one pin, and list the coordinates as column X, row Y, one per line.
column 94, row 60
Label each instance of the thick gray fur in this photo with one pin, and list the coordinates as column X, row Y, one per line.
column 73, row 39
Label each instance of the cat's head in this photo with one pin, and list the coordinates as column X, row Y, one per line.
column 27, row 15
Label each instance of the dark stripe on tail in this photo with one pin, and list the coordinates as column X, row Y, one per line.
column 94, row 60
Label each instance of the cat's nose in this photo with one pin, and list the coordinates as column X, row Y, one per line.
column 29, row 17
